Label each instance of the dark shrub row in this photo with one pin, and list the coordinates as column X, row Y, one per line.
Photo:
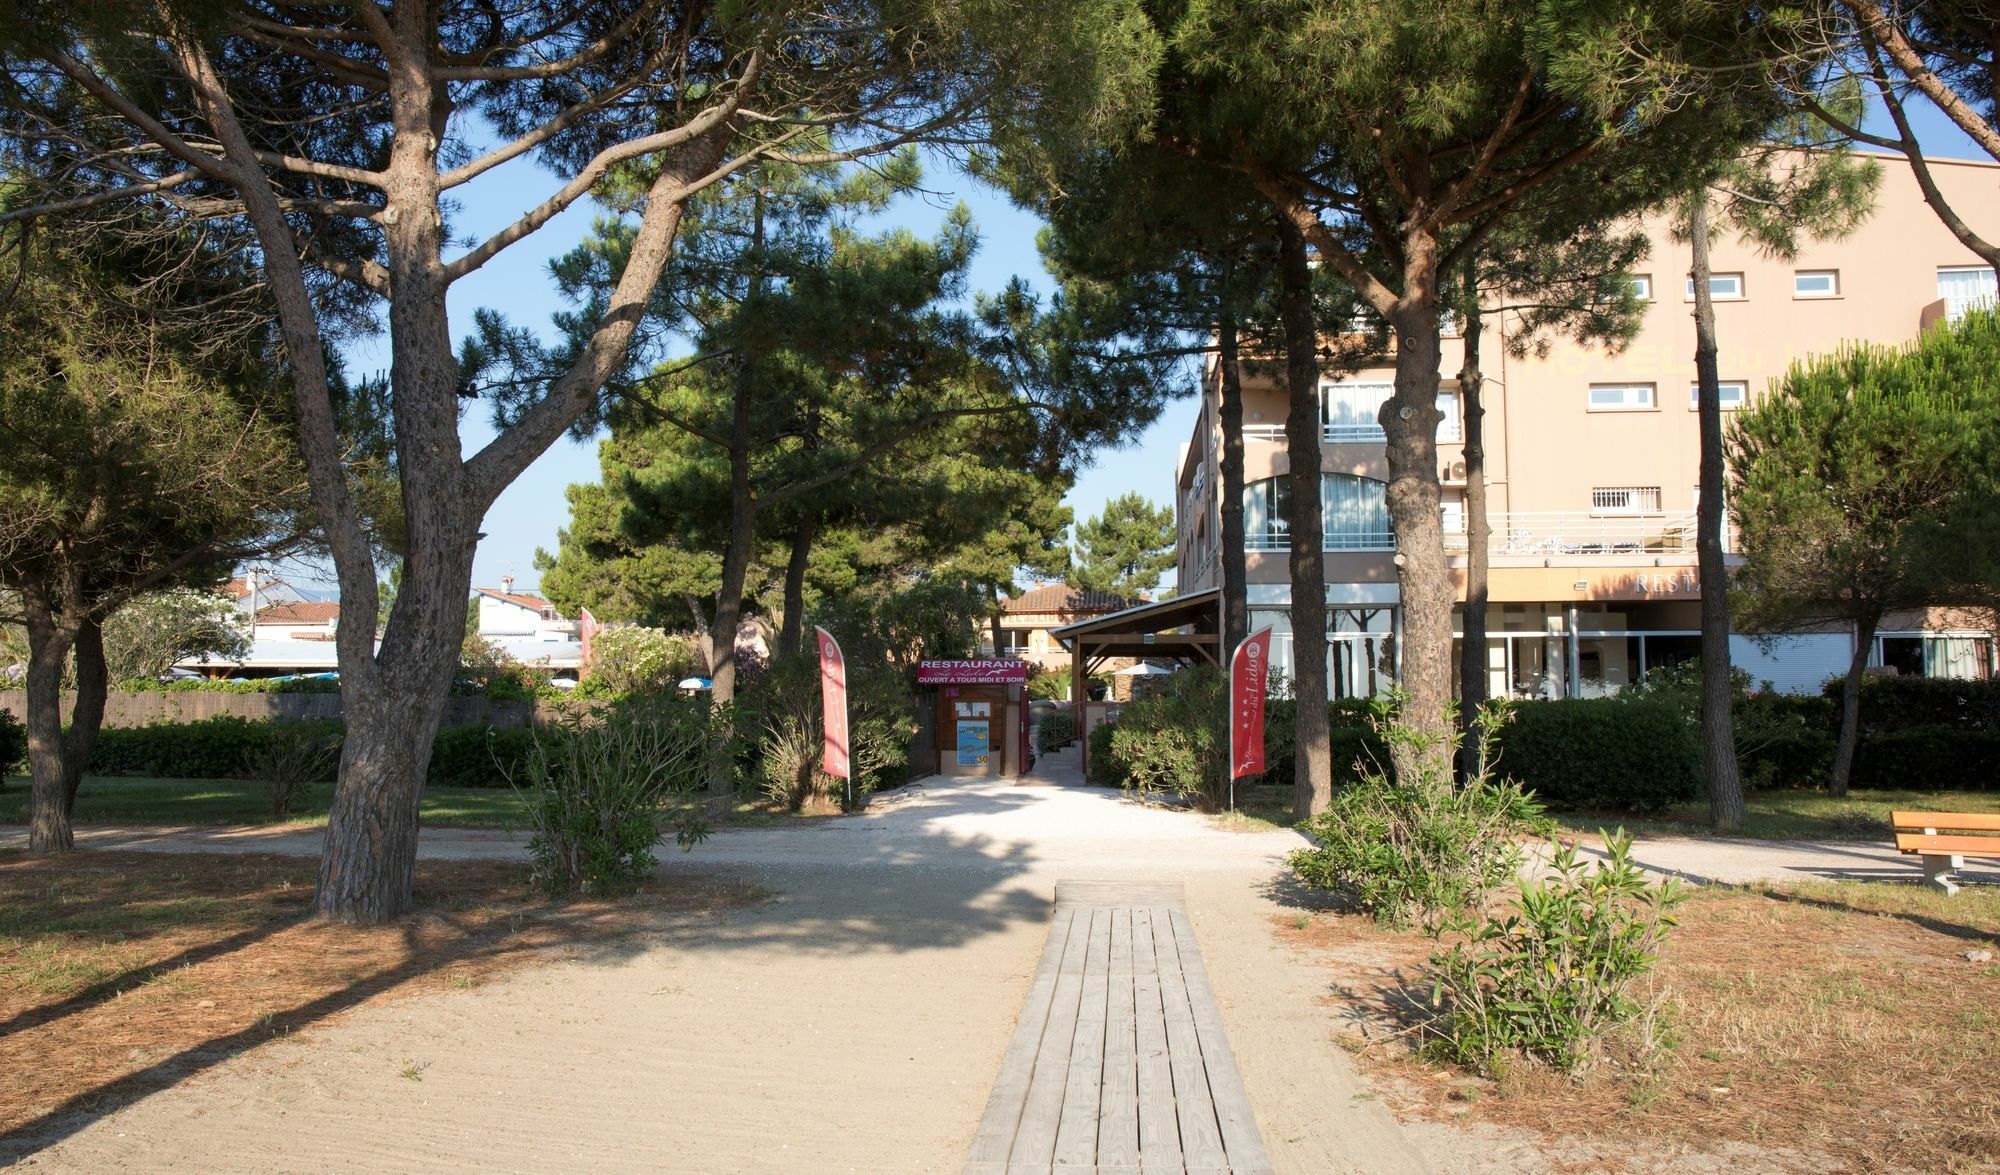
column 215, row 748
column 13, row 742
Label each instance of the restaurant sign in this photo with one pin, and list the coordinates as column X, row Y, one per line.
column 982, row 671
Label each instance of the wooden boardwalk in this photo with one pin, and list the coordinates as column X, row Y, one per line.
column 1119, row 1063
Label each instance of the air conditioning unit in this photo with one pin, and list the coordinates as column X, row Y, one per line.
column 1453, row 472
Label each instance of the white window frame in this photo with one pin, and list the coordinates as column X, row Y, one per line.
column 1366, row 433
column 1651, row 401
column 1642, row 286
column 1832, row 277
column 1723, row 387
column 1713, row 294
column 1954, row 308
column 1636, row 500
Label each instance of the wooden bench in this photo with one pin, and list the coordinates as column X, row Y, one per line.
column 1944, row 840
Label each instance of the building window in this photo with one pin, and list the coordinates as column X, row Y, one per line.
column 1014, row 642
column 1733, row 393
column 1352, row 412
column 1966, row 287
column 1642, row 286
column 1620, row 397
column 1816, row 283
column 1722, row 287
column 1451, row 428
column 1625, row 500
column 1354, row 514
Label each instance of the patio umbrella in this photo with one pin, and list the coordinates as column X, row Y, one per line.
column 1145, row 669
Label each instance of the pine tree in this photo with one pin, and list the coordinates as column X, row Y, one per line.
column 1125, row 548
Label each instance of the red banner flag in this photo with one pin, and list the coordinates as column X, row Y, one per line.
column 1247, row 669
column 833, row 698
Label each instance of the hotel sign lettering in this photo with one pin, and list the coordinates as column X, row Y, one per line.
column 1669, row 583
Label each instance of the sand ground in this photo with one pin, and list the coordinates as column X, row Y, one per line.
column 854, row 1021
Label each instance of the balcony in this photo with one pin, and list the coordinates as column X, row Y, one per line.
column 1544, row 534
column 1560, row 533
column 1449, row 432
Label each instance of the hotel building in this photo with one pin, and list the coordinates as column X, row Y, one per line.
column 1592, row 461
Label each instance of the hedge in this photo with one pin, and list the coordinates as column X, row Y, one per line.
column 13, row 742
column 1900, row 703
column 1602, row 753
column 214, row 748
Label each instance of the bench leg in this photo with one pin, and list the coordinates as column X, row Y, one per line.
column 1938, row 870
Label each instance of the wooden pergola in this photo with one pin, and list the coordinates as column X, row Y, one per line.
column 1186, row 629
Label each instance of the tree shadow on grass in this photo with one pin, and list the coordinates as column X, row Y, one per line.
column 1971, row 934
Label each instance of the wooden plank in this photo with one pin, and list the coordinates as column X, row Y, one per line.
column 1201, row 1137
column 995, row 1136
column 1076, row 1134
column 1152, row 894
column 1041, row 1112
column 1946, row 821
column 1241, row 1140
column 1966, row 846
column 1118, row 1114
column 1159, row 1131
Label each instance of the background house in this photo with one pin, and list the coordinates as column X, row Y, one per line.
column 508, row 616
column 1025, row 621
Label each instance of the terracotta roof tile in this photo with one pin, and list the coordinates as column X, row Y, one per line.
column 1064, row 599
column 300, row 612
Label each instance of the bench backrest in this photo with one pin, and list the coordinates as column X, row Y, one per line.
column 1946, row 821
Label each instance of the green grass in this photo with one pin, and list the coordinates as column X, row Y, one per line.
column 1795, row 815
column 105, row 799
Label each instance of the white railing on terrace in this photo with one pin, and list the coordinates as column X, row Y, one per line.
column 1353, row 541
column 1551, row 533
column 1583, row 533
column 1346, row 434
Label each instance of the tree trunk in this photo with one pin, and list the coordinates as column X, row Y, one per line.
column 1313, row 782
column 1478, row 539
column 1409, row 424
column 792, row 633
column 1235, row 595
column 736, row 550
column 1850, row 704
column 50, row 639
column 369, row 856
column 1718, row 726
column 87, row 712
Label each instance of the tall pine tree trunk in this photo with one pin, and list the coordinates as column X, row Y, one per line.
column 1850, row 703
column 1478, row 537
column 792, row 634
column 735, row 574
column 1409, row 423
column 86, row 716
column 1235, row 593
column 51, row 636
column 1313, row 783
column 1718, row 726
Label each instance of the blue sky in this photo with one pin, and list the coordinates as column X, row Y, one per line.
column 529, row 513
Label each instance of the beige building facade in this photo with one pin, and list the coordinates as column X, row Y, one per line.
column 1592, row 461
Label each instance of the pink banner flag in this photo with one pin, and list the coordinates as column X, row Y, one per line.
column 833, row 697
column 1248, row 667
column 586, row 627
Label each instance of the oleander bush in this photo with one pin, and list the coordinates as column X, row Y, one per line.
column 786, row 732
column 600, row 787
column 292, row 756
column 1550, row 978
column 1424, row 850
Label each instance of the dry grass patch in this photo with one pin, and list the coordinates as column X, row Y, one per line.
column 1841, row 1026
column 121, row 973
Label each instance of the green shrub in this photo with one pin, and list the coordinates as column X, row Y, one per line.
column 1106, row 768
column 13, row 742
column 1617, row 754
column 1055, row 731
column 1422, row 850
column 292, row 756
column 1551, row 977
column 261, row 685
column 478, row 755
column 1177, row 740
column 634, row 660
column 786, row 724
column 597, row 786
column 1899, row 703
column 1928, row 758
column 209, row 748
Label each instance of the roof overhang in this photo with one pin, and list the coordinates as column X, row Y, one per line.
column 1185, row 628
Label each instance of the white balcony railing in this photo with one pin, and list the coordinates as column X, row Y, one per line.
column 1538, row 533
column 1449, row 432
column 1583, row 533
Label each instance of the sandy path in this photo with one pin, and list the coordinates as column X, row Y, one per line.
column 854, row 1022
